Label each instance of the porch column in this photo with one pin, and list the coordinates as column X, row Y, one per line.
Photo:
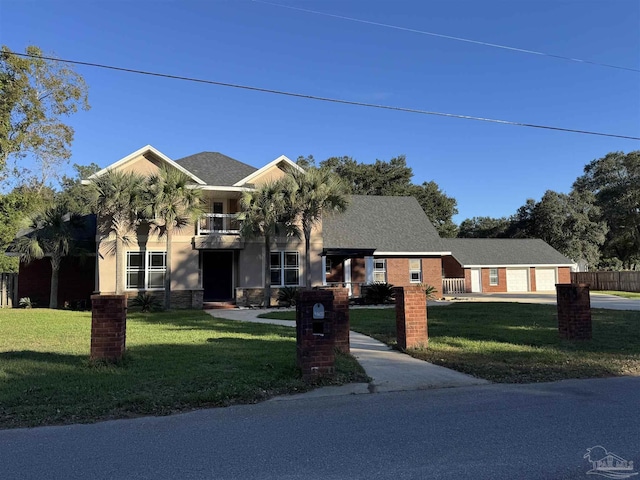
column 324, row 270
column 368, row 269
column 347, row 274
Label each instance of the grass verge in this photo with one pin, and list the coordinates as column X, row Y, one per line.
column 631, row 295
column 514, row 343
column 175, row 361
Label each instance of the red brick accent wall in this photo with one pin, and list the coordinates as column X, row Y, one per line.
column 411, row 317
column 564, row 274
column 398, row 271
column 452, row 269
column 315, row 339
column 432, row 273
column 336, row 274
column 467, row 280
column 108, row 327
column 532, row 279
column 502, row 281
column 76, row 281
column 358, row 270
column 574, row 311
column 341, row 317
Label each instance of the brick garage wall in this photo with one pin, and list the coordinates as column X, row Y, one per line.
column 502, row 281
column 452, row 269
column 398, row 272
column 564, row 274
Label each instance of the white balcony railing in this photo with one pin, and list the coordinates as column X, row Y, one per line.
column 453, row 285
column 220, row 223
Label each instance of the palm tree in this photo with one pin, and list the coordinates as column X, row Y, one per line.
column 51, row 237
column 265, row 213
column 317, row 191
column 171, row 203
column 119, row 201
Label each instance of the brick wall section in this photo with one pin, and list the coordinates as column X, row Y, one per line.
column 467, row 280
column 316, row 355
column 108, row 327
column 574, row 311
column 564, row 274
column 532, row 280
column 502, row 281
column 411, row 317
column 398, row 271
column 341, row 317
column 432, row 273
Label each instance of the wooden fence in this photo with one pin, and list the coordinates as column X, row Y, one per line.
column 8, row 290
column 619, row 281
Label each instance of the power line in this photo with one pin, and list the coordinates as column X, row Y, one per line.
column 450, row 37
column 323, row 99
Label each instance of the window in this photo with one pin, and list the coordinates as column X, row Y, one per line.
column 493, row 276
column 380, row 270
column 327, row 266
column 285, row 269
column 146, row 270
column 415, row 270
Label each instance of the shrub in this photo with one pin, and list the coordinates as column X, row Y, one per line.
column 25, row 302
column 146, row 303
column 430, row 291
column 288, row 296
column 378, row 292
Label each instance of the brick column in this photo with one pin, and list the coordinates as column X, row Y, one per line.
column 315, row 338
column 411, row 317
column 341, row 317
column 574, row 311
column 108, row 327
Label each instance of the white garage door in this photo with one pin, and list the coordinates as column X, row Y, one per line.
column 517, row 279
column 545, row 279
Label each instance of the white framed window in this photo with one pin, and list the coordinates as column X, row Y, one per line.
column 415, row 270
column 493, row 276
column 379, row 270
column 285, row 269
column 146, row 270
column 328, row 266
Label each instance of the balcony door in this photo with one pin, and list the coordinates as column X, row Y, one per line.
column 217, row 275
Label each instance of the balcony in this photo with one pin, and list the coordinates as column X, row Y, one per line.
column 219, row 224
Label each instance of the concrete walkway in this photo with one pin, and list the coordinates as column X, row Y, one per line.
column 389, row 369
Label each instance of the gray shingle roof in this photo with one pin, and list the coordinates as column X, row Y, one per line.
column 387, row 224
column 504, row 251
column 216, row 169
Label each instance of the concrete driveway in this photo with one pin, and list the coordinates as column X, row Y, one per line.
column 598, row 300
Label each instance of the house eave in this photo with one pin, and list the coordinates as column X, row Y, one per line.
column 519, row 265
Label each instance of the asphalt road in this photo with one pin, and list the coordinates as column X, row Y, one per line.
column 482, row 432
column 598, row 300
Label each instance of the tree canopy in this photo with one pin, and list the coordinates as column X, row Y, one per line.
column 35, row 94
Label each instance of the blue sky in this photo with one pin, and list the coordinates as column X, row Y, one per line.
column 490, row 169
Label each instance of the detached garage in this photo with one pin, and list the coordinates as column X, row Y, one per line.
column 505, row 265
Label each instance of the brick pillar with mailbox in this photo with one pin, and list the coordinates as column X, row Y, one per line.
column 315, row 334
column 574, row 311
column 108, row 327
column 411, row 316
column 341, row 317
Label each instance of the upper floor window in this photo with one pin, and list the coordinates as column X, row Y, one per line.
column 285, row 269
column 146, row 270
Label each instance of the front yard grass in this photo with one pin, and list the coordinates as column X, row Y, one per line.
column 175, row 361
column 514, row 343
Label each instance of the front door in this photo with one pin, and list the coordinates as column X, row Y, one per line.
column 217, row 275
column 476, row 284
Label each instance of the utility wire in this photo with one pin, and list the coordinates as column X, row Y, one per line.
column 323, row 99
column 450, row 37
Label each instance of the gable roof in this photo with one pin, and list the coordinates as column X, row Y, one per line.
column 136, row 154
column 216, row 169
column 281, row 159
column 504, row 251
column 390, row 225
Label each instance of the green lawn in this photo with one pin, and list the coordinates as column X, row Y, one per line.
column 514, row 343
column 632, row 295
column 175, row 361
